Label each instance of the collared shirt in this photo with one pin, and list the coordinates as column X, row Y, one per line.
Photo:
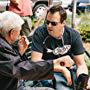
column 24, row 8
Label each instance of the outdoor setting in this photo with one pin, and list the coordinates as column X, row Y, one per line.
column 45, row 44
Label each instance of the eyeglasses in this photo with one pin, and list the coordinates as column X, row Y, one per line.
column 53, row 23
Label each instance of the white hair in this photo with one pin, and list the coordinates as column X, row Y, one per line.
column 8, row 21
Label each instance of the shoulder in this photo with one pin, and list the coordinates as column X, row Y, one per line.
column 72, row 35
column 4, row 45
column 75, row 40
column 72, row 32
column 38, row 38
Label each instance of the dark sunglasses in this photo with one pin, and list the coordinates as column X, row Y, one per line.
column 53, row 23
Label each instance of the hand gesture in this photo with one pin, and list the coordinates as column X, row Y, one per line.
column 23, row 44
column 62, row 68
column 66, row 61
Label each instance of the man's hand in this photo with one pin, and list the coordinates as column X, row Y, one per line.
column 65, row 61
column 23, row 45
column 68, row 62
column 65, row 72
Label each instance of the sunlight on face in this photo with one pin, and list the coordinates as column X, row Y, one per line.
column 54, row 30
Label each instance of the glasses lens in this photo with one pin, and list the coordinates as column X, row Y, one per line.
column 47, row 22
column 52, row 23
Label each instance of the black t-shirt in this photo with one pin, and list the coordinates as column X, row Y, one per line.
column 44, row 43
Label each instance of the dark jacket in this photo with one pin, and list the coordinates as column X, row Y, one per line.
column 10, row 72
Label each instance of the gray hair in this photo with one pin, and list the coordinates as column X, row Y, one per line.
column 8, row 21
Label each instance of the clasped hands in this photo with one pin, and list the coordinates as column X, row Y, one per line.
column 61, row 64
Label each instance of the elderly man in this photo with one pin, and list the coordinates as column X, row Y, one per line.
column 12, row 67
column 56, row 40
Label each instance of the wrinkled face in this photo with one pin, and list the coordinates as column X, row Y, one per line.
column 54, row 26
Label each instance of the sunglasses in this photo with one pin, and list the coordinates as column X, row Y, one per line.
column 53, row 23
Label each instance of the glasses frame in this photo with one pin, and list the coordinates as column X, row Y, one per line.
column 53, row 23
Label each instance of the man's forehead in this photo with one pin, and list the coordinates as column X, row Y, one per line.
column 53, row 17
column 55, row 13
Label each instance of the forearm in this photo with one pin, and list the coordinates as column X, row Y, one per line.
column 81, row 65
column 82, row 69
column 37, row 70
column 36, row 56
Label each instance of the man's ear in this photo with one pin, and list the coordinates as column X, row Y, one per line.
column 64, row 22
column 11, row 33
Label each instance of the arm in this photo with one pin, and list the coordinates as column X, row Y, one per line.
column 81, row 65
column 78, row 54
column 38, row 22
column 43, row 70
column 24, row 70
column 36, row 70
column 15, row 4
column 37, row 45
column 36, row 56
column 65, row 61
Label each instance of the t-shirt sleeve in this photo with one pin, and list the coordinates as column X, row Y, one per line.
column 77, row 45
column 37, row 41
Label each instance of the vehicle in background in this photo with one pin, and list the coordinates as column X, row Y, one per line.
column 40, row 5
column 81, row 6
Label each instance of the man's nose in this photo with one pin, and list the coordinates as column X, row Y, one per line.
column 49, row 25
